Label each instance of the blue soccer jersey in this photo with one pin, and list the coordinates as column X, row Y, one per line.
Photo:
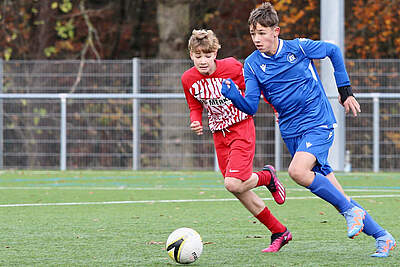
column 290, row 83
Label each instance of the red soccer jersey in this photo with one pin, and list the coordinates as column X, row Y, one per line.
column 205, row 91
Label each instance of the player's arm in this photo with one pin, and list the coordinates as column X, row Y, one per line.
column 319, row 50
column 249, row 103
column 196, row 110
column 346, row 97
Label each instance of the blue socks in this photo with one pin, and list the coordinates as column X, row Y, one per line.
column 370, row 226
column 324, row 189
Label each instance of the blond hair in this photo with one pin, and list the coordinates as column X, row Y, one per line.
column 203, row 40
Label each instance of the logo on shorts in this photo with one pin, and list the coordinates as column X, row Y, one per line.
column 308, row 144
column 233, row 170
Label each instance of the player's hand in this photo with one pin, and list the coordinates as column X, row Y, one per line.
column 229, row 88
column 196, row 127
column 351, row 104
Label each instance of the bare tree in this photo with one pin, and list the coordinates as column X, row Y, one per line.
column 173, row 23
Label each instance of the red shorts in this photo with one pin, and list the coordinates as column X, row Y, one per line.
column 235, row 147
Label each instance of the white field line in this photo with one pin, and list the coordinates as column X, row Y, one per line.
column 168, row 201
column 165, row 188
column 116, row 188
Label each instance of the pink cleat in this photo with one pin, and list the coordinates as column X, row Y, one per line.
column 275, row 186
column 278, row 240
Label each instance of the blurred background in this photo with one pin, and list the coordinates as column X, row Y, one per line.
column 122, row 29
column 90, row 84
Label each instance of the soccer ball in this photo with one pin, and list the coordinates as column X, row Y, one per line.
column 184, row 245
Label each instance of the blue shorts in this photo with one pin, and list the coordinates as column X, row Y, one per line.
column 316, row 141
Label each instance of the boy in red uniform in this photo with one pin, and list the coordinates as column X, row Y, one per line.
column 233, row 131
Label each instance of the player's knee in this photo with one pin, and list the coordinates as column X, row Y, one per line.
column 293, row 172
column 297, row 173
column 233, row 185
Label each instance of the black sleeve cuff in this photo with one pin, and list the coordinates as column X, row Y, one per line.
column 345, row 92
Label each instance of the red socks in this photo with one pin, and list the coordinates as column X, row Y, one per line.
column 264, row 177
column 266, row 218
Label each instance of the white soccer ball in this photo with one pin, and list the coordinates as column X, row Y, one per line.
column 184, row 245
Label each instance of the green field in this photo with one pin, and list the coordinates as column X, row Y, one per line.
column 123, row 218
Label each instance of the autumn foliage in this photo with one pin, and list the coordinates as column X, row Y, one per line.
column 71, row 29
column 126, row 29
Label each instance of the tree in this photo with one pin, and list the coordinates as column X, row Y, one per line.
column 172, row 21
column 120, row 29
column 373, row 29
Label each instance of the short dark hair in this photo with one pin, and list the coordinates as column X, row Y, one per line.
column 265, row 15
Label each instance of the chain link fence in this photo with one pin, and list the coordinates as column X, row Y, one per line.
column 131, row 114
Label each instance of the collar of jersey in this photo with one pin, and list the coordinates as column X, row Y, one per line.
column 280, row 45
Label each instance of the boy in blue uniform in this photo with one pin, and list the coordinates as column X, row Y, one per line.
column 283, row 71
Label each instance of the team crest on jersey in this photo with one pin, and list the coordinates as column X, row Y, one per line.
column 263, row 67
column 291, row 58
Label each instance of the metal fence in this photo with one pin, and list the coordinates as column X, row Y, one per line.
column 131, row 114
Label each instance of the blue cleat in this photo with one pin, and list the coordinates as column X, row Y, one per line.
column 383, row 245
column 354, row 218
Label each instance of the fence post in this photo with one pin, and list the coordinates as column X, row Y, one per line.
column 332, row 30
column 278, row 146
column 376, row 137
column 1, row 116
column 135, row 114
column 63, row 133
column 216, row 165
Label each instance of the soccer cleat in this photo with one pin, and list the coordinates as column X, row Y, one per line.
column 275, row 186
column 383, row 245
column 278, row 240
column 354, row 218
